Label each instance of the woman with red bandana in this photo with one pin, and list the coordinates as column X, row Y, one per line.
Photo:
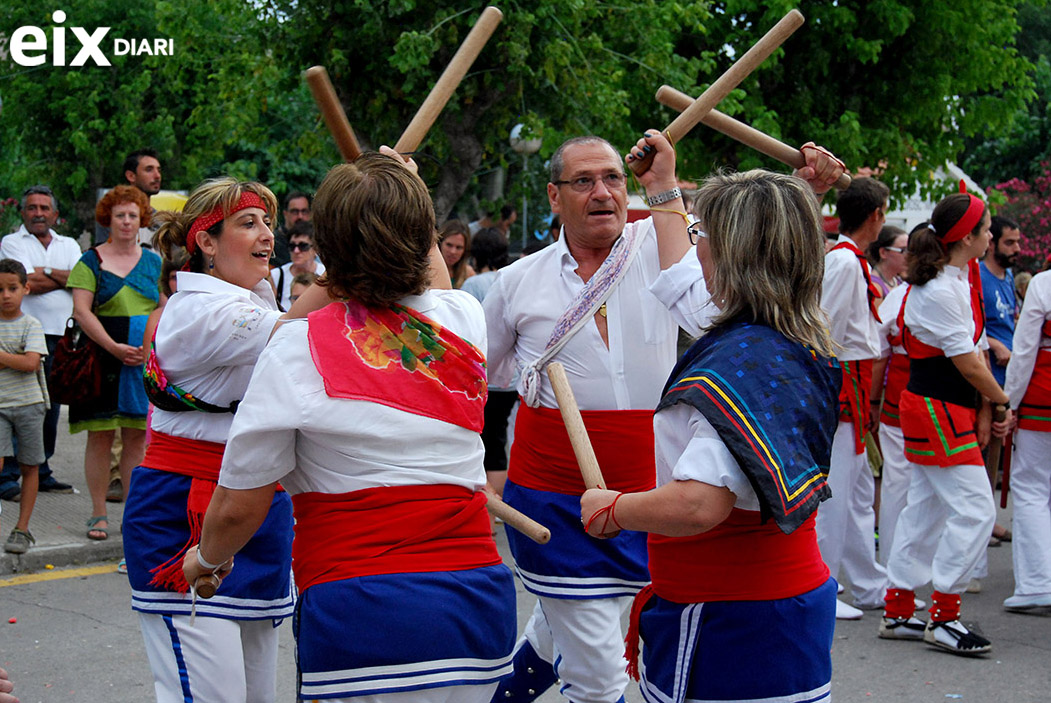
column 943, row 530
column 368, row 412
column 203, row 353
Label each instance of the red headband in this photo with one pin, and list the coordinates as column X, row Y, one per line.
column 968, row 222
column 202, row 223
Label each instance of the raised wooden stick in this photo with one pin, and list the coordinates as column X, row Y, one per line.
column 518, row 520
column 735, row 129
column 578, row 434
column 336, row 119
column 463, row 59
column 718, row 90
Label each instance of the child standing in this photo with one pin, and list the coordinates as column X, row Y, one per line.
column 23, row 394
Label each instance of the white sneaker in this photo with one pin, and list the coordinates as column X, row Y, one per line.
column 1029, row 604
column 845, row 611
column 953, row 636
column 975, row 586
column 920, row 604
column 902, row 628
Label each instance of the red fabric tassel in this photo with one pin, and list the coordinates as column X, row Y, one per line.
column 631, row 640
column 946, row 607
column 169, row 576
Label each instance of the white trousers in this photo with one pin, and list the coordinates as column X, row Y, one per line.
column 894, row 486
column 445, row 694
column 1031, row 485
column 584, row 640
column 846, row 522
column 215, row 661
column 944, row 529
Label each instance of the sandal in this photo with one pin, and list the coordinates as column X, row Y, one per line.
column 93, row 527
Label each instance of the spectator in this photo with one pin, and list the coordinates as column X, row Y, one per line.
column 304, row 260
column 297, row 209
column 114, row 291
column 454, row 240
column 142, row 169
column 300, row 284
column 998, row 292
column 886, row 255
column 47, row 257
column 23, row 394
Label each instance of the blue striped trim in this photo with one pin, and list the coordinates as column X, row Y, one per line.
column 167, row 603
column 180, row 662
column 403, row 678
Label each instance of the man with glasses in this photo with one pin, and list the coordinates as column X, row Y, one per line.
column 297, row 209
column 48, row 258
column 605, row 300
column 304, row 260
column 846, row 522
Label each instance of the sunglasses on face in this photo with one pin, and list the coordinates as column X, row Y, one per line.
column 300, row 246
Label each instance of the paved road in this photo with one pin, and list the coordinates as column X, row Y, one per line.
column 76, row 639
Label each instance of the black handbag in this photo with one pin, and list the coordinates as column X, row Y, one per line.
column 76, row 368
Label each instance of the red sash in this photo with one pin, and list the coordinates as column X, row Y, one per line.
column 201, row 461
column 542, row 457
column 938, row 433
column 897, row 379
column 739, row 560
column 390, row 530
column 854, row 398
column 1034, row 412
column 872, row 291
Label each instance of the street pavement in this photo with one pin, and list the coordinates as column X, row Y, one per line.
column 76, row 639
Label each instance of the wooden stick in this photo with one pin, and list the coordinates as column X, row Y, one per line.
column 518, row 520
column 718, row 90
column 206, row 585
column 578, row 434
column 336, row 119
column 463, row 59
column 1005, row 480
column 992, row 457
column 747, row 135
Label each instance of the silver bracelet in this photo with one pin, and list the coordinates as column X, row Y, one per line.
column 201, row 560
column 664, row 196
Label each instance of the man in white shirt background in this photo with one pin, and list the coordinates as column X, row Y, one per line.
column 48, row 258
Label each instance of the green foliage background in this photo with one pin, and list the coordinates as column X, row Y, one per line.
column 899, row 85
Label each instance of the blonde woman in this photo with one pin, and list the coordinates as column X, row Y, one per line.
column 203, row 353
column 741, row 464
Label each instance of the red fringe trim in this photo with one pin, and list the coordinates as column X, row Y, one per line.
column 631, row 640
column 169, row 576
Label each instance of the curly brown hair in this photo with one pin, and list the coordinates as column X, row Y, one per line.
column 374, row 230
column 118, row 196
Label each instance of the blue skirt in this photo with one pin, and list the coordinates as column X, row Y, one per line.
column 155, row 528
column 771, row 651
column 392, row 633
column 573, row 565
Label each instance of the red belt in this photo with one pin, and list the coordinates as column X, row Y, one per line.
column 854, row 398
column 390, row 530
column 1034, row 413
column 542, row 457
column 739, row 560
column 897, row 379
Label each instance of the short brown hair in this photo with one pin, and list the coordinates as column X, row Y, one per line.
column 119, row 196
column 374, row 229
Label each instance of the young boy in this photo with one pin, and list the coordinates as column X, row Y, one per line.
column 23, row 394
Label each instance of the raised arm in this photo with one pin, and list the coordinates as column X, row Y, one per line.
column 669, row 216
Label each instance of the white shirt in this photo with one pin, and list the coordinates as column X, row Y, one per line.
column 1028, row 339
column 208, row 340
column 938, row 313
column 888, row 312
column 529, row 296
column 844, row 297
column 54, row 307
column 284, row 296
column 687, row 448
column 289, row 429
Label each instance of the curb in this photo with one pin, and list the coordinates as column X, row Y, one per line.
column 59, row 555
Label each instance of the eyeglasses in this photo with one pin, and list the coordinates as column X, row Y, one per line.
column 37, row 190
column 696, row 233
column 300, row 246
column 585, row 184
column 900, row 250
column 299, row 213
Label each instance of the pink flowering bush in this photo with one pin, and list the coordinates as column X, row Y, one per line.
column 10, row 219
column 1030, row 206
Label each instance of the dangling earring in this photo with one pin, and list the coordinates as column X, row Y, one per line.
column 211, row 263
